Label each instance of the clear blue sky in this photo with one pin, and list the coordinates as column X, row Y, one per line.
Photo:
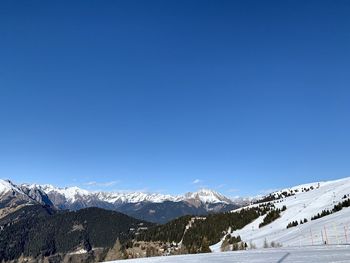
column 238, row 96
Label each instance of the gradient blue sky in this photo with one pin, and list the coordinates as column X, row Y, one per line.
column 170, row 96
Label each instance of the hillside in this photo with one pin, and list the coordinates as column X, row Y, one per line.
column 309, row 214
column 340, row 254
column 304, row 206
column 36, row 231
column 195, row 234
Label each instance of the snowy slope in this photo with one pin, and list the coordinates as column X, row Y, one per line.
column 324, row 254
column 333, row 228
column 6, row 186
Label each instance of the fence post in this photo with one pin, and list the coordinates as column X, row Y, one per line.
column 346, row 236
column 336, row 233
column 312, row 239
column 325, row 232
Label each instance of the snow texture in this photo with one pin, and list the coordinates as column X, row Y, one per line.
column 7, row 186
column 332, row 229
column 319, row 254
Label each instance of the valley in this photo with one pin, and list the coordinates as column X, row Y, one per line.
column 35, row 226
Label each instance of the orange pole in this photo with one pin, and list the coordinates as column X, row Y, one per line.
column 346, row 236
column 325, row 232
column 312, row 239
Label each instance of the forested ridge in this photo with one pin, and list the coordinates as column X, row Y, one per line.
column 38, row 231
column 204, row 231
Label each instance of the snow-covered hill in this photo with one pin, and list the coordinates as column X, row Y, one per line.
column 335, row 254
column 303, row 202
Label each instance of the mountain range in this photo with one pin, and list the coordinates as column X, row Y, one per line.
column 58, row 224
column 152, row 207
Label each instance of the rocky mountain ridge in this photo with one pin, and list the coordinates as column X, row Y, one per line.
column 153, row 207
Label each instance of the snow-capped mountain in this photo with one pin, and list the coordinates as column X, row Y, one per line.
column 72, row 194
column 13, row 197
column 136, row 197
column 303, row 203
column 308, row 214
column 9, row 191
column 154, row 207
column 207, row 196
column 6, row 186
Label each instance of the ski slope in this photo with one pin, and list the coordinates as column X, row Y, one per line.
column 323, row 254
column 303, row 243
column 333, row 229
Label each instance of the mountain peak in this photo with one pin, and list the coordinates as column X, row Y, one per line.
column 4, row 186
column 70, row 193
column 208, row 196
column 7, row 185
column 74, row 193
